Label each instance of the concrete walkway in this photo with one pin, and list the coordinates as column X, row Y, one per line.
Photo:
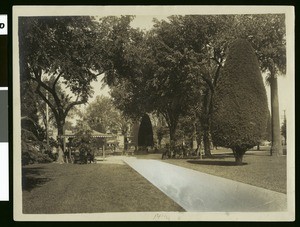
column 196, row 191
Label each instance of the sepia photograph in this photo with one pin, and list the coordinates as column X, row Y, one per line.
column 153, row 113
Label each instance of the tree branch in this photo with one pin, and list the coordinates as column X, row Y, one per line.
column 38, row 91
column 56, row 80
column 217, row 75
column 165, row 115
column 208, row 82
column 71, row 105
column 219, row 63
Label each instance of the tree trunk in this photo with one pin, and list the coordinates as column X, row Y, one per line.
column 239, row 160
column 206, row 121
column 206, row 143
column 198, row 140
column 276, row 135
column 258, row 147
column 172, row 137
column 60, row 132
column 238, row 155
column 159, row 142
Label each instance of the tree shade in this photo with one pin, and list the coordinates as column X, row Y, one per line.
column 240, row 103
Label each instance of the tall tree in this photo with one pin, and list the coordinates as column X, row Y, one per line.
column 187, row 51
column 267, row 34
column 236, row 124
column 155, row 75
column 175, row 85
column 209, row 36
column 58, row 52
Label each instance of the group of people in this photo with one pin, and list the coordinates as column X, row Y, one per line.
column 81, row 155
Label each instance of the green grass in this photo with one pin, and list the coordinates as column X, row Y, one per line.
column 92, row 188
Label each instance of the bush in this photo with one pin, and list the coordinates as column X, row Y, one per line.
column 34, row 150
column 31, row 155
column 85, row 144
column 145, row 135
column 240, row 108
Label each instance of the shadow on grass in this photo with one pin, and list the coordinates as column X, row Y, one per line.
column 32, row 178
column 216, row 163
column 213, row 156
column 258, row 154
column 220, row 156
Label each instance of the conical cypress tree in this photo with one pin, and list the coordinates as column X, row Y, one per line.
column 240, row 110
column 145, row 136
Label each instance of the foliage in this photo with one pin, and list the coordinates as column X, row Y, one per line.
column 31, row 155
column 115, row 36
column 102, row 116
column 160, row 132
column 34, row 150
column 217, row 32
column 145, row 134
column 30, row 107
column 266, row 33
column 173, row 69
column 160, row 76
column 240, row 103
column 56, row 55
column 210, row 35
column 131, row 91
column 84, row 142
column 187, row 129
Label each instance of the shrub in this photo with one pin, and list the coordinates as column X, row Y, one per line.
column 31, row 155
column 34, row 150
column 240, row 109
column 145, row 135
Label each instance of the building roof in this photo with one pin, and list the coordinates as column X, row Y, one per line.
column 95, row 134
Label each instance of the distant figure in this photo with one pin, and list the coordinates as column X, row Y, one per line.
column 66, row 154
column 60, row 158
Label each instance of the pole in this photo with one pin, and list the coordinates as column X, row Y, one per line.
column 103, row 149
column 47, row 120
column 285, row 126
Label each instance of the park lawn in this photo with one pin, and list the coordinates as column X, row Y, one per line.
column 259, row 169
column 92, row 188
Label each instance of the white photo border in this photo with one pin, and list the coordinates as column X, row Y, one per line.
column 289, row 215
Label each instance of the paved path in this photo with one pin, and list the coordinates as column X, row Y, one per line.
column 196, row 191
column 110, row 160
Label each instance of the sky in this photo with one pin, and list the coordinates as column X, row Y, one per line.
column 285, row 83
